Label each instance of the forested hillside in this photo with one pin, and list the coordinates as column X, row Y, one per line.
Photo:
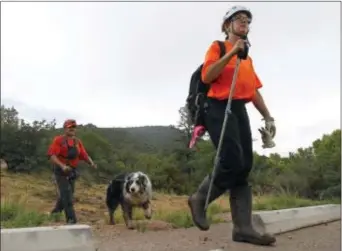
column 313, row 172
column 142, row 139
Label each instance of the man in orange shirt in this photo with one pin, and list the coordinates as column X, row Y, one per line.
column 236, row 158
column 65, row 152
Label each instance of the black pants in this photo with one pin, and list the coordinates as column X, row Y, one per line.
column 236, row 159
column 66, row 188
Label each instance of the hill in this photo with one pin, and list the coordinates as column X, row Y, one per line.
column 144, row 138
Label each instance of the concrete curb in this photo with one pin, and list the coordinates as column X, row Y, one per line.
column 61, row 238
column 79, row 237
column 285, row 220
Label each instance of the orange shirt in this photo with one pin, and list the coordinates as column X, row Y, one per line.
column 60, row 149
column 247, row 81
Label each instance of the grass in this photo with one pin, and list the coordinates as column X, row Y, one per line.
column 284, row 201
column 177, row 217
column 25, row 199
column 14, row 214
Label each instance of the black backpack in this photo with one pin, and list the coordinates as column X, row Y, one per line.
column 198, row 93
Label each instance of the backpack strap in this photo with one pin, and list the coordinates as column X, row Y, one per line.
column 64, row 141
column 76, row 141
column 222, row 48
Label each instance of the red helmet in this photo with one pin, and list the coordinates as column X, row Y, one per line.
column 69, row 123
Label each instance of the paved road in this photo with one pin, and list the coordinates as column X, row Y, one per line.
column 319, row 238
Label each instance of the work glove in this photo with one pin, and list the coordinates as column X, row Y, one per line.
column 66, row 168
column 268, row 132
column 270, row 126
column 266, row 138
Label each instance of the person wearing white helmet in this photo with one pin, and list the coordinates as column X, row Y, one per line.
column 233, row 14
column 236, row 158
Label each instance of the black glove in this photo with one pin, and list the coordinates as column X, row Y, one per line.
column 244, row 54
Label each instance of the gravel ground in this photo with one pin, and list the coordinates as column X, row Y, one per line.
column 320, row 238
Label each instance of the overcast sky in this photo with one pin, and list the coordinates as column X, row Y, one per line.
column 129, row 64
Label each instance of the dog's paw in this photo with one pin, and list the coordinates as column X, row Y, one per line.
column 130, row 226
column 148, row 216
column 148, row 213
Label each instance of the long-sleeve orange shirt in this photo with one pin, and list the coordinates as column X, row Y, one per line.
column 60, row 150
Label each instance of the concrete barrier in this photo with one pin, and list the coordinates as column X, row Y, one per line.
column 61, row 238
column 285, row 220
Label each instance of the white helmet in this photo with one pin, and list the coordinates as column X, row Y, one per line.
column 235, row 9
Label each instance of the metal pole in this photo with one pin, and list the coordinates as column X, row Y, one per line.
column 223, row 131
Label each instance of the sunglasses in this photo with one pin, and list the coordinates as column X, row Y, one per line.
column 242, row 19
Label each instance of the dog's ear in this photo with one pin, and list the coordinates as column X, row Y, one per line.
column 143, row 180
column 129, row 176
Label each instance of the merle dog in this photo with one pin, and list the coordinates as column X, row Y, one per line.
column 129, row 190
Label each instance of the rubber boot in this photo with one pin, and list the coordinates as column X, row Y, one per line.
column 69, row 211
column 241, row 210
column 58, row 207
column 196, row 203
column 71, row 221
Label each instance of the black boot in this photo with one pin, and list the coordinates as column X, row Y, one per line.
column 196, row 203
column 71, row 221
column 241, row 210
column 58, row 207
column 70, row 215
column 69, row 211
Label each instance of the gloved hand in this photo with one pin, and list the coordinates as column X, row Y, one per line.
column 197, row 133
column 270, row 126
column 66, row 168
column 266, row 138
